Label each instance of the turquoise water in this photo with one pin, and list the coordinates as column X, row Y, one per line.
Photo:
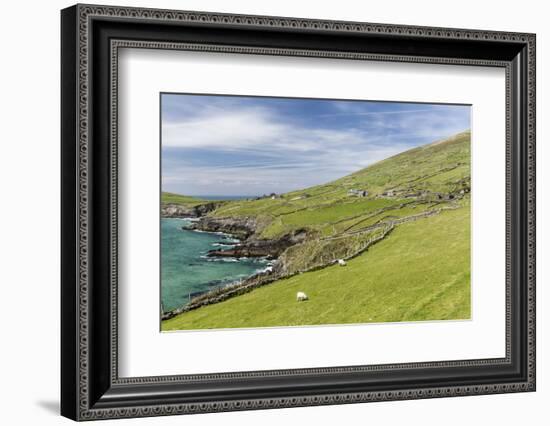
column 185, row 269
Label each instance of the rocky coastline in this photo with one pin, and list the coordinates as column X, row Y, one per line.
column 258, row 280
column 181, row 211
column 244, row 229
column 249, row 245
column 241, row 228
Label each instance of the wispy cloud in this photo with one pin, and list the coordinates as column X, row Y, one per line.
column 407, row 111
column 218, row 145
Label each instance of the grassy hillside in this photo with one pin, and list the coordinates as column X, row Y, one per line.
column 180, row 200
column 418, row 202
column 441, row 167
column 421, row 271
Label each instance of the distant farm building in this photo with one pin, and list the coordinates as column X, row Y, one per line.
column 358, row 193
column 273, row 196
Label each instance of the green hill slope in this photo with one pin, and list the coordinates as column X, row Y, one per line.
column 419, row 272
column 404, row 225
column 180, row 200
column 439, row 168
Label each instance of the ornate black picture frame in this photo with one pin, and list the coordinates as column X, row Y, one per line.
column 91, row 386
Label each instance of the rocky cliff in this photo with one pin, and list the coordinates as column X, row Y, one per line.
column 261, row 248
column 241, row 228
column 179, row 210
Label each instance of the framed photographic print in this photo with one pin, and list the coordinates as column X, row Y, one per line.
column 295, row 193
column 263, row 212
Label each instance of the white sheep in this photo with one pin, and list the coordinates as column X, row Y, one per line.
column 301, row 296
column 341, row 262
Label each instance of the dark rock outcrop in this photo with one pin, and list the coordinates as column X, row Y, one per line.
column 241, row 228
column 260, row 248
column 178, row 210
column 175, row 210
column 245, row 228
column 203, row 209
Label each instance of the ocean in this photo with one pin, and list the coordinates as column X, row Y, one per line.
column 187, row 271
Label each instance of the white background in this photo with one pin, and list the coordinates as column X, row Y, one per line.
column 29, row 237
column 146, row 352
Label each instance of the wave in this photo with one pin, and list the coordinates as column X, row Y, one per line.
column 232, row 240
column 268, row 268
column 262, row 260
column 222, row 245
column 223, row 234
column 219, row 259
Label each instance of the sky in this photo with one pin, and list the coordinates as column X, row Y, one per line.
column 250, row 146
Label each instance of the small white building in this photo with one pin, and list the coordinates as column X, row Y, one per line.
column 358, row 193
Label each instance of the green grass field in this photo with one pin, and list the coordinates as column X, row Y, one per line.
column 440, row 167
column 182, row 200
column 419, row 271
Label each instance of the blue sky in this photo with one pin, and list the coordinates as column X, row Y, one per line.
column 230, row 145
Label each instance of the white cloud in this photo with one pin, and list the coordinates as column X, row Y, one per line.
column 230, row 130
column 251, row 128
column 281, row 154
column 353, row 112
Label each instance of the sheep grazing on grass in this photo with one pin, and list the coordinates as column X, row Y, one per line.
column 341, row 262
column 301, row 296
